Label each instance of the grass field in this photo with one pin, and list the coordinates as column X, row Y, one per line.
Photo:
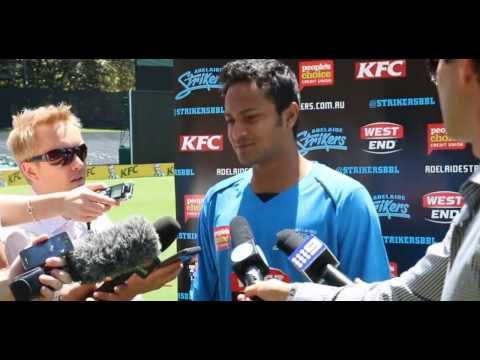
column 152, row 198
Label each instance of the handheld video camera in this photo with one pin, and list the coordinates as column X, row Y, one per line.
column 26, row 286
column 120, row 192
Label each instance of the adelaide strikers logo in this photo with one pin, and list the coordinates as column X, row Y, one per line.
column 442, row 206
column 391, row 206
column 205, row 78
column 321, row 139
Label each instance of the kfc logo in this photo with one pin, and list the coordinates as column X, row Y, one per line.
column 380, row 69
column 190, row 143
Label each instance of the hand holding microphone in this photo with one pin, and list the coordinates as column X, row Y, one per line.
column 120, row 249
column 135, row 284
column 130, row 284
column 248, row 260
column 270, row 290
column 312, row 257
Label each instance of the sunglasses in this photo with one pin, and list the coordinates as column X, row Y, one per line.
column 63, row 156
column 432, row 65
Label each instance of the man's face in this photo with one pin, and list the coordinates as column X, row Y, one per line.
column 255, row 129
column 454, row 99
column 46, row 177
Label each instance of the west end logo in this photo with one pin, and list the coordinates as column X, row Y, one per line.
column 382, row 137
column 442, row 206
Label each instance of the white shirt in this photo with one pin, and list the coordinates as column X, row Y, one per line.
column 18, row 237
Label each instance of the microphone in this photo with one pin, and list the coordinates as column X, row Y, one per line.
column 120, row 249
column 312, row 257
column 248, row 260
column 167, row 229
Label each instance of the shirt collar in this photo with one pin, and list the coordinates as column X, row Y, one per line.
column 471, row 191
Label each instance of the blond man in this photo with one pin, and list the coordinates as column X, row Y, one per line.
column 49, row 148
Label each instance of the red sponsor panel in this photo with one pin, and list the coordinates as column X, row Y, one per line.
column 437, row 139
column 193, row 143
column 222, row 237
column 380, row 69
column 237, row 286
column 316, row 73
column 442, row 200
column 381, row 130
column 192, row 204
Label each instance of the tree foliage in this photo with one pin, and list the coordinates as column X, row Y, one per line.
column 108, row 75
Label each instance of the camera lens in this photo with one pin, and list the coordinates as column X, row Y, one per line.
column 27, row 286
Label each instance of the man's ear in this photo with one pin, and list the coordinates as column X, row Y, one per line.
column 291, row 114
column 29, row 171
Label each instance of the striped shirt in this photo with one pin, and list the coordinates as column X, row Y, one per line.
column 463, row 276
column 450, row 270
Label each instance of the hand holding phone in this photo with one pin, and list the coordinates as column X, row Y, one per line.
column 119, row 192
column 36, row 255
column 184, row 255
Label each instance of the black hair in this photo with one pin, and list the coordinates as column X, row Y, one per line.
column 276, row 79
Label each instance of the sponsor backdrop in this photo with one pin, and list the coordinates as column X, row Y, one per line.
column 377, row 121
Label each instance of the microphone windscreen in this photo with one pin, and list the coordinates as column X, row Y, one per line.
column 121, row 248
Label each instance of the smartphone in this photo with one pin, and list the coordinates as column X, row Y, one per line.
column 36, row 255
column 119, row 192
column 185, row 255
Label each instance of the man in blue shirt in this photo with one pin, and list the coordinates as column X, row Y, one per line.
column 282, row 190
column 450, row 269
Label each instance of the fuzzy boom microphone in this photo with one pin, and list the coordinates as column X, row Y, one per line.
column 121, row 248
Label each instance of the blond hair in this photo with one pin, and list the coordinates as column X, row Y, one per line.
column 22, row 139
